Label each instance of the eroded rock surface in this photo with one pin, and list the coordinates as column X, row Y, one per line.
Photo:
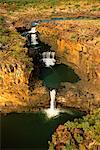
column 77, row 43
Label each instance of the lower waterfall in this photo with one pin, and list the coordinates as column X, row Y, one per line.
column 50, row 70
column 52, row 96
column 52, row 111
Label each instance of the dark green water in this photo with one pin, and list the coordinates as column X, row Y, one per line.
column 31, row 130
column 52, row 77
column 62, row 19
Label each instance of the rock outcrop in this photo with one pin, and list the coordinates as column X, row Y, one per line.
column 13, row 83
column 15, row 73
column 77, row 43
column 14, row 68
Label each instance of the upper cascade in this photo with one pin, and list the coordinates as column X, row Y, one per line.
column 33, row 36
column 33, row 30
column 48, row 58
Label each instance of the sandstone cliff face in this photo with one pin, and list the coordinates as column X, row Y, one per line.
column 77, row 44
column 15, row 72
column 13, row 83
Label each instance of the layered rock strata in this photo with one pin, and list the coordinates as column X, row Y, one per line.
column 77, row 43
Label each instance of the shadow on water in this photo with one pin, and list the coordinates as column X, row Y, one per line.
column 31, row 130
column 52, row 77
column 34, row 130
column 34, row 52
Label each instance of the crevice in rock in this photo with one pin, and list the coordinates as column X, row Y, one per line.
column 35, row 52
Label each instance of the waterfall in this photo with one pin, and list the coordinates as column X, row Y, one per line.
column 52, row 111
column 33, row 39
column 32, row 32
column 52, row 96
column 44, row 55
column 49, row 54
column 47, row 58
column 53, row 55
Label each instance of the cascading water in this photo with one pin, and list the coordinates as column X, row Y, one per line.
column 53, row 96
column 32, row 136
column 48, row 59
column 33, row 35
column 52, row 111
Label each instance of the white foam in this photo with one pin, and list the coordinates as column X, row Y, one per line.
column 33, row 36
column 49, row 62
column 33, row 30
column 44, row 55
column 34, row 39
column 47, row 59
column 53, row 54
column 52, row 112
column 52, row 96
column 56, row 111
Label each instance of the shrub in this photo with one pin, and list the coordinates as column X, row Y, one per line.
column 78, row 135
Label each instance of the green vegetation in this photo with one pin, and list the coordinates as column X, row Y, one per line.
column 42, row 1
column 74, row 37
column 26, row 2
column 95, row 8
column 15, row 4
column 78, row 135
column 4, row 31
column 12, row 44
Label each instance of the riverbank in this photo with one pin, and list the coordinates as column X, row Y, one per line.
column 78, row 135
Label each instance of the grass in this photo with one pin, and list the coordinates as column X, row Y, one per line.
column 50, row 3
column 16, row 5
column 3, row 31
column 44, row 1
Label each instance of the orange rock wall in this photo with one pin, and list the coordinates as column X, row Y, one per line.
column 77, row 43
column 13, row 84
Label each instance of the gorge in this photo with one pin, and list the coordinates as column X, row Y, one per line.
column 48, row 118
column 49, row 75
column 50, row 69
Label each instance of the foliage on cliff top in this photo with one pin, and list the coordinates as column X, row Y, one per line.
column 11, row 43
column 81, row 134
column 44, row 1
column 15, row 4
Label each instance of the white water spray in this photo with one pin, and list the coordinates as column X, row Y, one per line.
column 52, row 111
column 33, row 39
column 52, row 96
column 32, row 32
column 49, row 61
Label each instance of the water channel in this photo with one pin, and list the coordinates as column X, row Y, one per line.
column 34, row 130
